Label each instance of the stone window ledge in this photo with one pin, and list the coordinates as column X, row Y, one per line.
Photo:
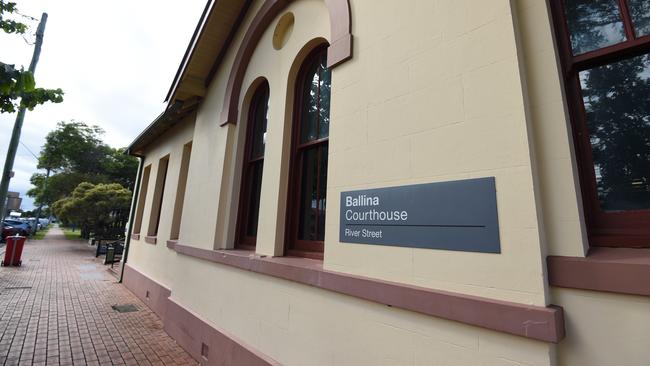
column 535, row 322
column 616, row 270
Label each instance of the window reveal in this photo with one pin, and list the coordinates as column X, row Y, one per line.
column 158, row 194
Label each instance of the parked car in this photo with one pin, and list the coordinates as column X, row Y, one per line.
column 23, row 228
column 31, row 221
column 7, row 230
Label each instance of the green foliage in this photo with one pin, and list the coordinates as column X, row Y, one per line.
column 18, row 84
column 59, row 185
column 100, row 209
column 74, row 147
column 71, row 234
column 41, row 233
column 120, row 168
column 8, row 25
column 75, row 153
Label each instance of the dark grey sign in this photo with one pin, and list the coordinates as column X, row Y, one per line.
column 459, row 215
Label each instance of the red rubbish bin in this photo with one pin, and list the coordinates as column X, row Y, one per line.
column 14, row 251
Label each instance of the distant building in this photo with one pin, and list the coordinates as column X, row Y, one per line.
column 426, row 182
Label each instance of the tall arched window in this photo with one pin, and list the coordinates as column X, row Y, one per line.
column 307, row 194
column 252, row 168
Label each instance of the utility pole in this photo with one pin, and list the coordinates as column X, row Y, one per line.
column 18, row 125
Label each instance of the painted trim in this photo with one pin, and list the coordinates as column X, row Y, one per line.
column 189, row 330
column 153, row 294
column 171, row 244
column 150, row 239
column 135, row 236
column 339, row 51
column 535, row 322
column 617, row 270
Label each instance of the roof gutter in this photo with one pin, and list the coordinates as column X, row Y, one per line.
column 190, row 48
column 167, row 114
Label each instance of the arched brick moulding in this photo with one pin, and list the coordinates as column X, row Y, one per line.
column 339, row 51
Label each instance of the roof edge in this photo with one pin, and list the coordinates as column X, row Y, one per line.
column 169, row 112
column 190, row 48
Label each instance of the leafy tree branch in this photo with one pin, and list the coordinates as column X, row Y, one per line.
column 17, row 86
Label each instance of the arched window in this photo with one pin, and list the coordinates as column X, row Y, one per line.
column 307, row 193
column 252, row 168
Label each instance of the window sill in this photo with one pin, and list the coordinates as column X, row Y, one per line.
column 135, row 236
column 150, row 239
column 535, row 322
column 171, row 244
column 616, row 270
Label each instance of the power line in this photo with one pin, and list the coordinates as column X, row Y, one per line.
column 30, row 151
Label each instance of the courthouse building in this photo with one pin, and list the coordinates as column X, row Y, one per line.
column 416, row 182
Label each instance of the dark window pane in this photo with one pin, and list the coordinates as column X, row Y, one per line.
column 313, row 96
column 324, row 105
column 322, row 192
column 308, row 195
column 617, row 103
column 593, row 24
column 640, row 12
column 310, row 102
column 253, row 166
column 259, row 109
column 254, row 192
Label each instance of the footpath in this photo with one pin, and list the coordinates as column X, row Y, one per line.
column 58, row 309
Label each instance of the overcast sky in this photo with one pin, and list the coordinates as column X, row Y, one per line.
column 115, row 61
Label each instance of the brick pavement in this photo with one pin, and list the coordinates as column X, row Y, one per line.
column 56, row 310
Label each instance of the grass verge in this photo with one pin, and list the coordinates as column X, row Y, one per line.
column 71, row 235
column 41, row 233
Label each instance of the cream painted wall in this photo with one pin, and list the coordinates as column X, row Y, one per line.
column 560, row 198
column 300, row 325
column 604, row 329
column 274, row 66
column 416, row 104
column 433, row 93
column 154, row 260
column 206, row 172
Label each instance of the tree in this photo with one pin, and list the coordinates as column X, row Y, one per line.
column 18, row 84
column 120, row 168
column 74, row 152
column 7, row 25
column 73, row 147
column 59, row 185
column 100, row 209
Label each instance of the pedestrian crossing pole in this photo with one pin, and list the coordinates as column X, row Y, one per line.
column 18, row 125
